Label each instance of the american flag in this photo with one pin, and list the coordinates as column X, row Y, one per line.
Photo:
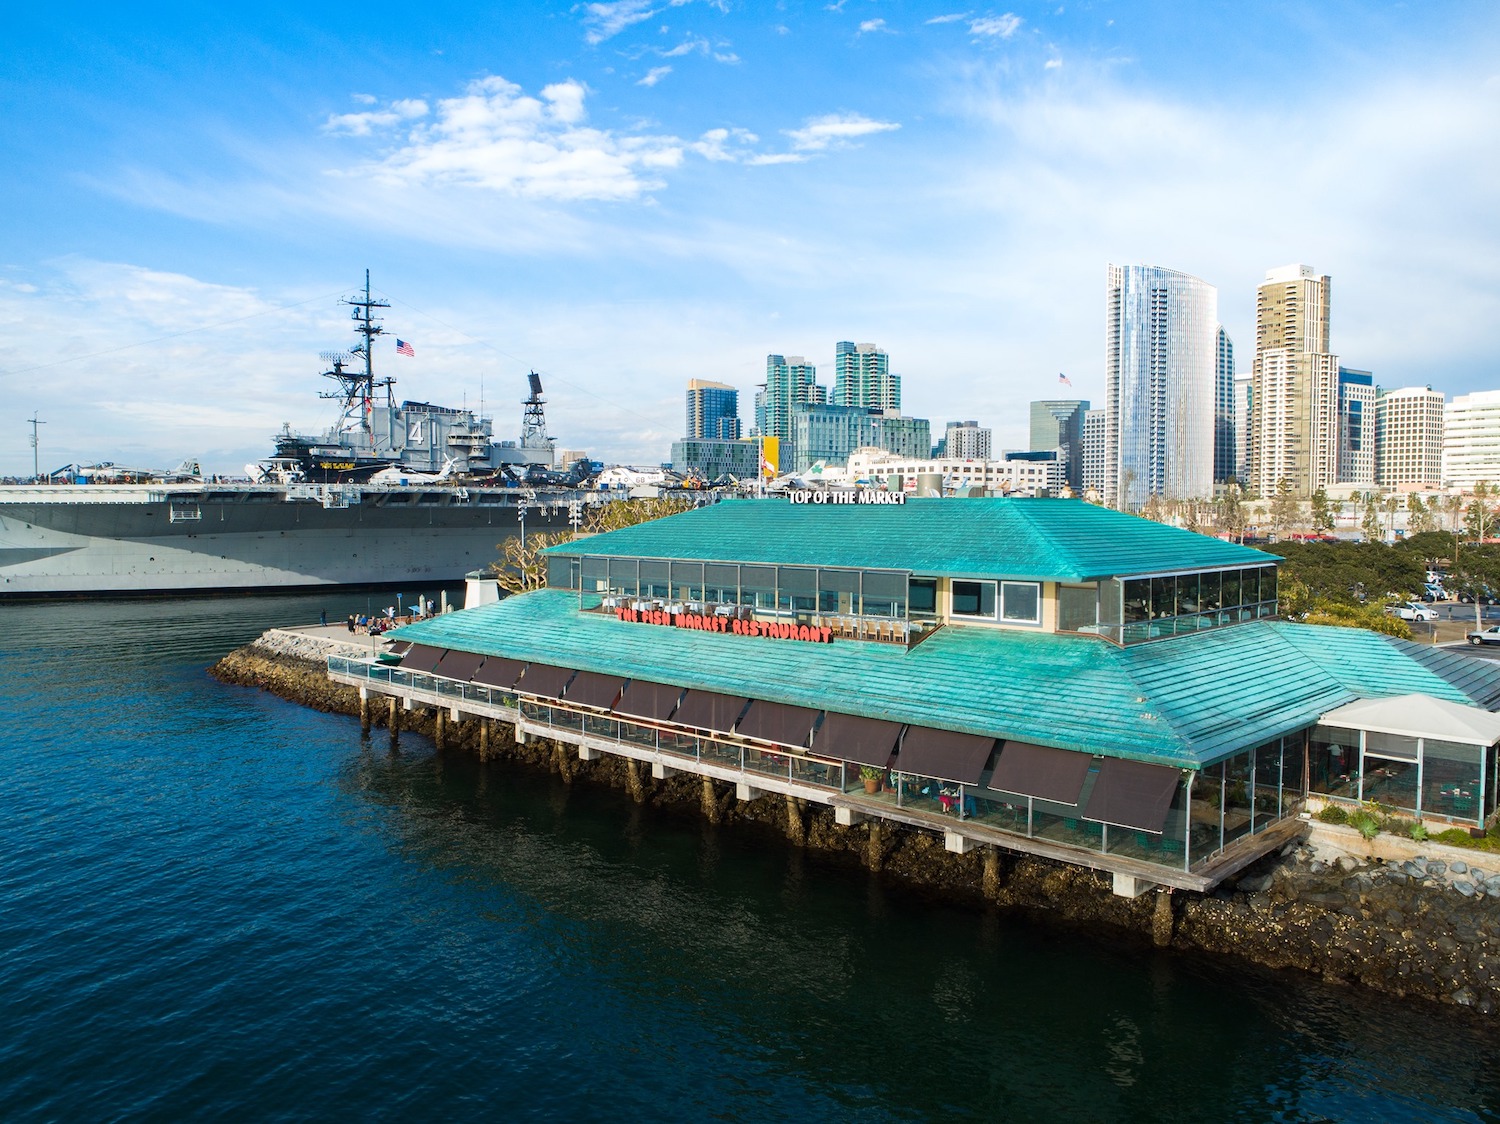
column 1064, row 380
column 404, row 348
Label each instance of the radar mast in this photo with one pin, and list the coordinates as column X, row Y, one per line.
column 356, row 389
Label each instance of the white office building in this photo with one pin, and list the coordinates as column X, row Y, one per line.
column 1471, row 440
column 1409, row 438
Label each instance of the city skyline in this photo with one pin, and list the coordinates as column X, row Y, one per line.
column 624, row 197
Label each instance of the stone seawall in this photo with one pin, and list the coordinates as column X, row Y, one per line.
column 1395, row 928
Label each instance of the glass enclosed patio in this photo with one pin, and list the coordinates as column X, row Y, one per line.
column 1419, row 755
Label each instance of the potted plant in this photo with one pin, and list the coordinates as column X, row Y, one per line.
column 872, row 778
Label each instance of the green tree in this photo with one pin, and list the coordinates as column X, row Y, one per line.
column 1370, row 522
column 1284, row 507
column 1322, row 513
column 1229, row 511
column 1419, row 517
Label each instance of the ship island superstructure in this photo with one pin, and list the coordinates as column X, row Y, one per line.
column 389, row 494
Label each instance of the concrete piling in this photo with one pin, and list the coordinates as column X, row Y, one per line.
column 633, row 780
column 440, row 728
column 710, row 801
column 992, row 872
column 796, row 826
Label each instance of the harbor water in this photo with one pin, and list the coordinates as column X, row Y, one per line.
column 215, row 904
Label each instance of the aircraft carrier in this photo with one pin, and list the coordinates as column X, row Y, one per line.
column 390, row 494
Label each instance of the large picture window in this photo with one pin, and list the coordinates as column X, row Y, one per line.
column 1021, row 602
column 974, row 599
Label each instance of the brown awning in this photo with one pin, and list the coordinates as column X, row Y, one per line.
column 458, row 665
column 498, row 671
column 1132, row 794
column 870, row 741
column 1041, row 771
column 544, row 679
column 644, row 699
column 777, row 722
column 398, row 647
column 592, row 689
column 707, row 710
column 944, row 754
column 421, row 657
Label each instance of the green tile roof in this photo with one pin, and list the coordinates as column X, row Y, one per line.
column 1060, row 540
column 1187, row 701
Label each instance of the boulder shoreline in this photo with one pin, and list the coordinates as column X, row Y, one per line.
column 1421, row 927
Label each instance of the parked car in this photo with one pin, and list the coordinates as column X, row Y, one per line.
column 1489, row 635
column 1411, row 611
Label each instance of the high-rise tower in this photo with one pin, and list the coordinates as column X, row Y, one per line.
column 862, row 377
column 1159, row 385
column 713, row 411
column 1294, row 421
column 791, row 381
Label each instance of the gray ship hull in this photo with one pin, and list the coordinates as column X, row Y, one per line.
column 119, row 540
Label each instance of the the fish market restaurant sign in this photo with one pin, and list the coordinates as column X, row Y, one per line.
column 813, row 495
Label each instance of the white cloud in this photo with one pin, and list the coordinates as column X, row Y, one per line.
column 686, row 47
column 364, row 99
column 996, row 27
column 726, row 146
column 363, row 124
column 607, row 20
column 836, row 129
column 1053, row 64
column 654, row 75
column 951, row 17
column 868, row 26
column 496, row 137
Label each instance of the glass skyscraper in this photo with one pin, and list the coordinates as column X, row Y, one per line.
column 713, row 411
column 1160, row 385
column 1058, row 424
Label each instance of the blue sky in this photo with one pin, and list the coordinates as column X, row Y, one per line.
column 627, row 195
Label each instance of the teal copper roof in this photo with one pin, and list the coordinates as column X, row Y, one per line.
column 1050, row 540
column 1186, row 701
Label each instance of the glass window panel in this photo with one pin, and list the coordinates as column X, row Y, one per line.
column 1021, row 601
column 562, row 573
column 1187, row 593
column 1237, row 809
column 1210, row 590
column 1390, row 745
column 687, row 581
column 884, row 593
column 1111, row 594
column 1230, row 598
column 1137, row 602
column 922, row 596
column 973, row 599
column 1267, row 797
column 720, row 583
column 797, row 588
column 1208, row 794
column 623, row 576
column 758, row 586
column 1268, row 583
column 595, row 573
column 1077, row 607
column 1392, row 783
column 1450, row 780
column 1163, row 597
column 838, row 591
column 1333, row 762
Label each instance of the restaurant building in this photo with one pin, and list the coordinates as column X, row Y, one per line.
column 1044, row 676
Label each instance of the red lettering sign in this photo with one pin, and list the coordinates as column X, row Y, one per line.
column 701, row 622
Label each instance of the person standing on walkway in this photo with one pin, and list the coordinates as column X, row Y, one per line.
column 323, row 617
